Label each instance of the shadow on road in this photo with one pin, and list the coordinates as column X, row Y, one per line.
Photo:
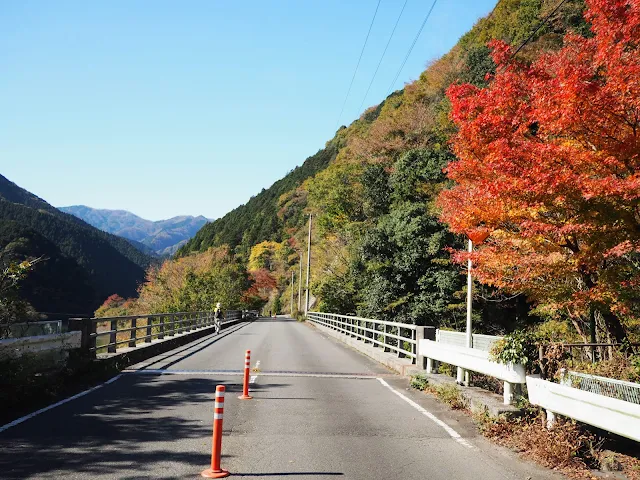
column 208, row 341
column 275, row 320
column 289, row 474
column 157, row 426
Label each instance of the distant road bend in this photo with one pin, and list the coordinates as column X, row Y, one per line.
column 320, row 410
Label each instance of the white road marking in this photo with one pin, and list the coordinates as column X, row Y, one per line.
column 452, row 433
column 57, row 404
column 240, row 373
column 257, row 369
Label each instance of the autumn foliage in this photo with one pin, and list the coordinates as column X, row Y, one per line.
column 548, row 159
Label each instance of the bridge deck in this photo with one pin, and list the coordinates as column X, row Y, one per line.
column 320, row 410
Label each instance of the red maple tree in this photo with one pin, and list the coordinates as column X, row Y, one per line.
column 547, row 161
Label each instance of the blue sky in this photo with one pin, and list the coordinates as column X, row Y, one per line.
column 165, row 108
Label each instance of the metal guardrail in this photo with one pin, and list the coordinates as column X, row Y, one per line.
column 31, row 329
column 107, row 334
column 609, row 387
column 480, row 341
column 391, row 336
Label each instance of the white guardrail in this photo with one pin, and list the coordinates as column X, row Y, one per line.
column 398, row 337
column 16, row 347
column 478, row 340
column 611, row 414
column 474, row 360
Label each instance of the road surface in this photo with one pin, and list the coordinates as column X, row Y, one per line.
column 320, row 410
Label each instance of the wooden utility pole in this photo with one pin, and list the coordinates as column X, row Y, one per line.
column 292, row 285
column 306, row 302
column 300, row 285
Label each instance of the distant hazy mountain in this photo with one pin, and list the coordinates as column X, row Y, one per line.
column 163, row 237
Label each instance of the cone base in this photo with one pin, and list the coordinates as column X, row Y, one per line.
column 209, row 473
column 245, row 397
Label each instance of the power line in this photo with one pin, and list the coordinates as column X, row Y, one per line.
column 358, row 64
column 537, row 28
column 383, row 54
column 411, row 48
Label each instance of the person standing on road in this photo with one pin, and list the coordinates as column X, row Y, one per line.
column 217, row 316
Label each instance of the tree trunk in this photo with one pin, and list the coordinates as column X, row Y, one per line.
column 615, row 328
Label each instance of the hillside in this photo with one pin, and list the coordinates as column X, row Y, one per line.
column 379, row 247
column 58, row 284
column 163, row 236
column 258, row 219
column 110, row 264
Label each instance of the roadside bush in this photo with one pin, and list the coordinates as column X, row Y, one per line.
column 446, row 369
column 619, row 366
column 519, row 346
column 419, row 382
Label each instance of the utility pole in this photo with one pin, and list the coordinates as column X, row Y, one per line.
column 306, row 302
column 300, row 285
column 463, row 375
column 469, row 336
column 292, row 285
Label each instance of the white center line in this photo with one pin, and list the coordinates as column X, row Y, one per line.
column 452, row 433
column 256, row 369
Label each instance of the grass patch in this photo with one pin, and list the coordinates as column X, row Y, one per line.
column 449, row 394
column 419, row 382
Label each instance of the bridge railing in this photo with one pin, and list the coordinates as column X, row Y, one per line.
column 400, row 338
column 106, row 335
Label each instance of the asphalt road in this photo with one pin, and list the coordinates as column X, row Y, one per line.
column 320, row 410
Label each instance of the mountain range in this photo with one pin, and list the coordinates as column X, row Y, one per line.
column 162, row 237
column 82, row 265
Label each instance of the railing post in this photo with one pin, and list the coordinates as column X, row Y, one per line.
column 419, row 335
column 133, row 332
column 400, row 342
column 161, row 334
column 86, row 326
column 386, row 338
column 113, row 336
column 149, row 330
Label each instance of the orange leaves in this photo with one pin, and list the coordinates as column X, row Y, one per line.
column 549, row 155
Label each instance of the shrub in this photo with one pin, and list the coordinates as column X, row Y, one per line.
column 519, row 346
column 419, row 382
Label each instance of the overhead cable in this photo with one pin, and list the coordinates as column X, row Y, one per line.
column 411, row 48
column 382, row 56
column 357, row 65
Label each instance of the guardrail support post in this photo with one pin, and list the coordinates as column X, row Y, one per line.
column 429, row 365
column 508, row 393
column 551, row 419
column 149, row 330
column 386, row 338
column 113, row 336
column 420, row 333
column 132, row 333
column 161, row 334
column 87, row 343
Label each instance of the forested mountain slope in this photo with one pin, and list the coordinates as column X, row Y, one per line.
column 379, row 247
column 258, row 220
column 110, row 264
